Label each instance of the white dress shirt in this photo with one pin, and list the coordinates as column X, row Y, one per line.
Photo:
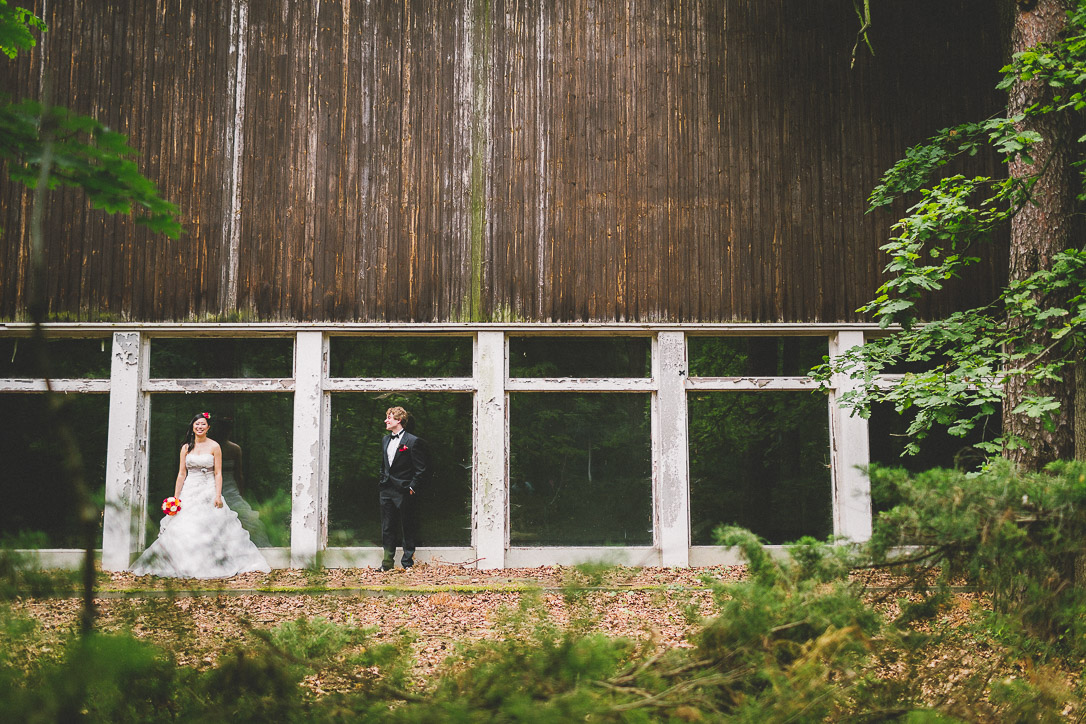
column 393, row 445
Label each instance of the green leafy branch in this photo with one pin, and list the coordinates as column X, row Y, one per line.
column 16, row 25
column 964, row 360
column 86, row 155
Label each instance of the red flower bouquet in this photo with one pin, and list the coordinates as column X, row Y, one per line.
column 171, row 505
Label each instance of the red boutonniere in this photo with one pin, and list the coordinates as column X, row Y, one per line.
column 403, row 448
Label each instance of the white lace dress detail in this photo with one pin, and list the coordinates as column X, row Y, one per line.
column 201, row 541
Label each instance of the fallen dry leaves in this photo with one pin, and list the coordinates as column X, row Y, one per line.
column 436, row 605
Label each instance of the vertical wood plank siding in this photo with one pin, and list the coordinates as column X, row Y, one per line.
column 445, row 160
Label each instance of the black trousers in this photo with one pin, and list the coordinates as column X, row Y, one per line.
column 399, row 522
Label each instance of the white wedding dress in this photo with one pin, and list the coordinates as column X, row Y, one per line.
column 201, row 541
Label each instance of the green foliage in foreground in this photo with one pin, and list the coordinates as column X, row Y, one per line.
column 800, row 640
column 1018, row 536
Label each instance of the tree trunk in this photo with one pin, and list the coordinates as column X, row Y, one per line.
column 1040, row 230
column 1080, row 410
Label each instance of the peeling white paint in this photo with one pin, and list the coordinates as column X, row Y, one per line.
column 850, row 452
column 126, row 485
column 399, row 384
column 672, row 491
column 309, row 489
column 126, row 348
column 785, row 384
column 64, row 386
column 598, row 384
column 190, row 386
column 490, row 502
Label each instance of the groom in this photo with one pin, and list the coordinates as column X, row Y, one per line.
column 403, row 472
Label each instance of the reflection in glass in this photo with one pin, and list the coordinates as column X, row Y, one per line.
column 580, row 470
column 579, row 357
column 230, row 358
column 255, row 432
column 760, row 460
column 443, row 420
column 400, row 357
column 887, row 433
column 754, row 356
column 68, row 358
column 39, row 509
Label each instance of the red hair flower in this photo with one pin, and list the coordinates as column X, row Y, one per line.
column 207, row 415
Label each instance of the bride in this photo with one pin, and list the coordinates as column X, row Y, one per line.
column 204, row 539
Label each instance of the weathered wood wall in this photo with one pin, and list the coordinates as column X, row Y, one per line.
column 630, row 160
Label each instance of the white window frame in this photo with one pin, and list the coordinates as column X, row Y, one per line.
column 130, row 389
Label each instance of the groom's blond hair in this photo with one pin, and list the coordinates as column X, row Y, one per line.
column 398, row 413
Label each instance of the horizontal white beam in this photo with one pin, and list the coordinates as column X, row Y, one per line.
column 577, row 384
column 731, row 384
column 65, row 385
column 265, row 329
column 187, row 386
column 399, row 384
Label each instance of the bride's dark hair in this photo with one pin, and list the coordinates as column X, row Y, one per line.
column 190, row 436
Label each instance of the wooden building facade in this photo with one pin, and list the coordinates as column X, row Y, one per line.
column 436, row 202
column 490, row 160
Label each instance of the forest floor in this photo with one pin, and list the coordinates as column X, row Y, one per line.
column 436, row 609
column 435, row 606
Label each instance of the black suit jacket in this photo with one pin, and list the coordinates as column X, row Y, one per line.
column 409, row 469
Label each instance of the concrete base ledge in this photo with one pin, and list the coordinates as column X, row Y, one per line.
column 370, row 557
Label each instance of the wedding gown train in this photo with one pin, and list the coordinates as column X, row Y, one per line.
column 201, row 541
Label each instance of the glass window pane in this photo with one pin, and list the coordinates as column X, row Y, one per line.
column 887, row 432
column 580, row 471
column 754, row 356
column 400, row 357
column 68, row 358
column 444, row 421
column 229, row 358
column 580, row 357
column 760, row 460
column 255, row 432
column 39, row 509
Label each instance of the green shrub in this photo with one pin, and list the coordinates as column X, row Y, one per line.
column 101, row 678
column 1018, row 536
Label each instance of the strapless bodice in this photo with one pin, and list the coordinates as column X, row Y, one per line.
column 200, row 462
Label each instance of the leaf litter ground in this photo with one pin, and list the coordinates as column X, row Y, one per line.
column 436, row 606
